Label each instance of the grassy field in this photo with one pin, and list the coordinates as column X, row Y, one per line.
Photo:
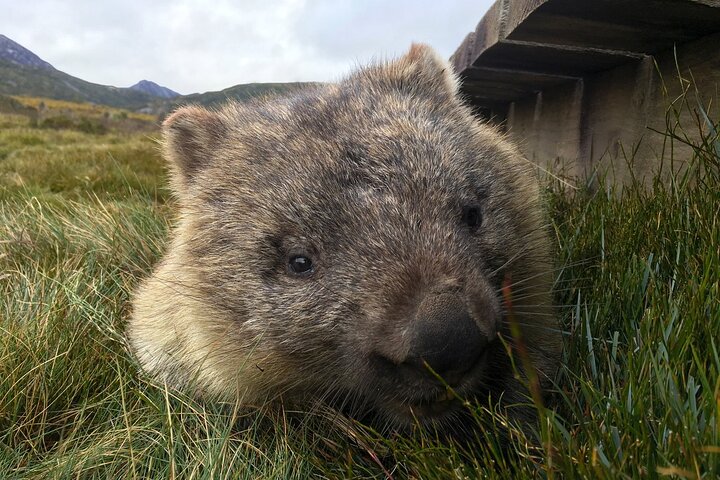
column 83, row 217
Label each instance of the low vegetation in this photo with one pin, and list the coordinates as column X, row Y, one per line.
column 84, row 216
column 51, row 114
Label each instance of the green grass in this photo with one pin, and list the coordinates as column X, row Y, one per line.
column 84, row 217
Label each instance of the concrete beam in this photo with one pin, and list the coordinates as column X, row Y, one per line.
column 573, row 80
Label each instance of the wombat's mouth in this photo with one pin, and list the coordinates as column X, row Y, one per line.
column 429, row 408
column 437, row 407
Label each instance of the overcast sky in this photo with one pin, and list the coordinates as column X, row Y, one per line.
column 202, row 45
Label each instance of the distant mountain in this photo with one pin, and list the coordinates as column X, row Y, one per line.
column 24, row 73
column 17, row 54
column 152, row 88
column 40, row 82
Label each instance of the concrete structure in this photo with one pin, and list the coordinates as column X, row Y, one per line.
column 582, row 84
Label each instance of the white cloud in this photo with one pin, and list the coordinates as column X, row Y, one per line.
column 195, row 45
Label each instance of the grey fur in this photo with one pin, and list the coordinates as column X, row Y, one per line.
column 368, row 178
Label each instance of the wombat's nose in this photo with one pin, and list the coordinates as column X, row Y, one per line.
column 445, row 336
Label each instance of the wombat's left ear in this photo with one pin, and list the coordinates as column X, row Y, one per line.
column 190, row 135
column 425, row 63
column 420, row 71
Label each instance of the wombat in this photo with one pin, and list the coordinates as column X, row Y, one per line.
column 350, row 244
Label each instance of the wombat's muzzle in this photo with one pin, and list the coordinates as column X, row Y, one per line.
column 445, row 336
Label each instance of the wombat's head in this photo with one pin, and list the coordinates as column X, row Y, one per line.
column 349, row 243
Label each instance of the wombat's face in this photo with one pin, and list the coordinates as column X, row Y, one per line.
column 356, row 238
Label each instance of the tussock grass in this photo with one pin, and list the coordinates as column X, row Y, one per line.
column 83, row 218
column 83, row 109
column 74, row 165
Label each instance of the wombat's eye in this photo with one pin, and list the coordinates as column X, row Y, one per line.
column 300, row 265
column 471, row 217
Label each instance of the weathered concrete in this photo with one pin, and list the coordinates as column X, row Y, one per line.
column 583, row 83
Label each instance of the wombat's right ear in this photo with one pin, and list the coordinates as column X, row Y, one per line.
column 190, row 135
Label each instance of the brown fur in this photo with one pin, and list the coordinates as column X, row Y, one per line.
column 368, row 178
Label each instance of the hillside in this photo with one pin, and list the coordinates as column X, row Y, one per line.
column 240, row 93
column 50, row 83
column 23, row 73
column 18, row 80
